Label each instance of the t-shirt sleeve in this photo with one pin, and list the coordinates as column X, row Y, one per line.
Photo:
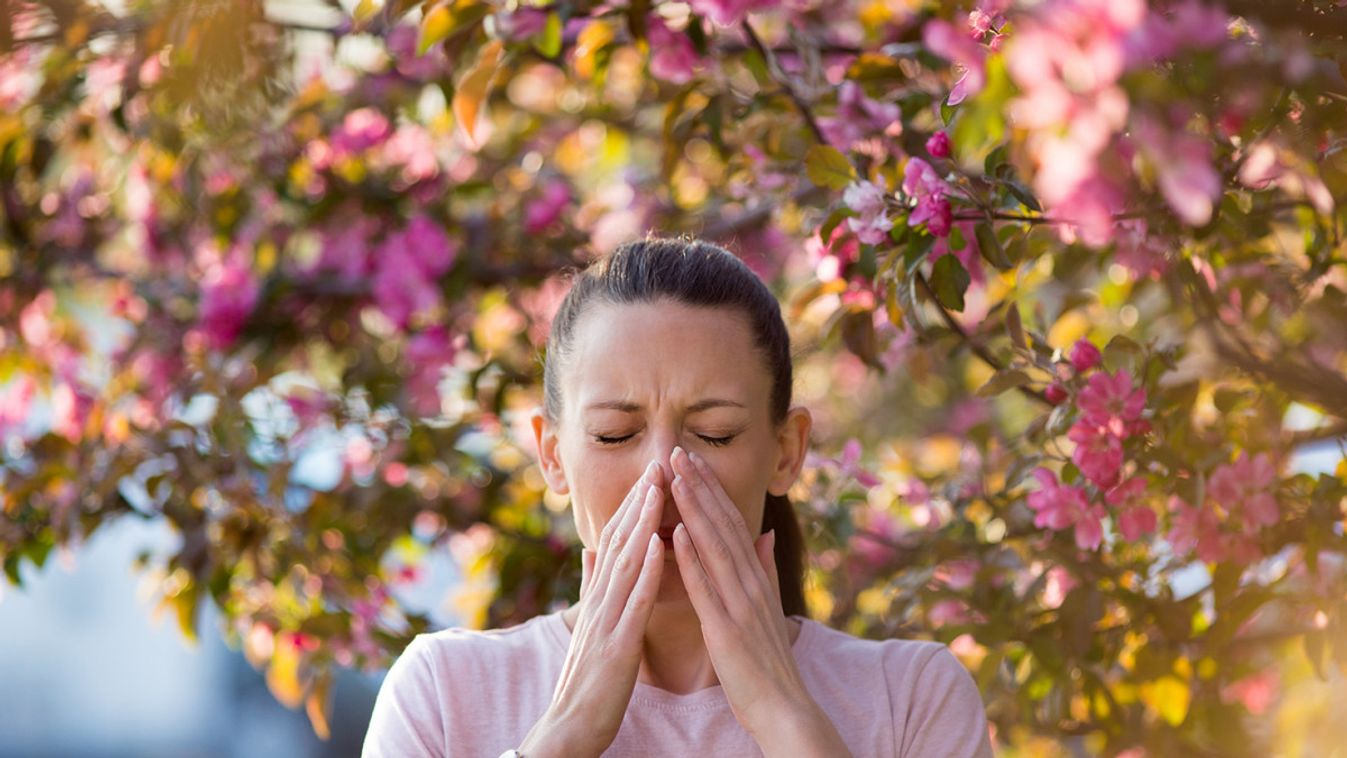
column 946, row 718
column 407, row 719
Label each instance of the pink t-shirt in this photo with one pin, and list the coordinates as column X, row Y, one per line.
column 470, row 694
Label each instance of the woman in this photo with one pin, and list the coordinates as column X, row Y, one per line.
column 667, row 420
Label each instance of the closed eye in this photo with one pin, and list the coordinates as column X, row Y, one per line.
column 715, row 441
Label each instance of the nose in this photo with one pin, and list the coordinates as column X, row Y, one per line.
column 662, row 444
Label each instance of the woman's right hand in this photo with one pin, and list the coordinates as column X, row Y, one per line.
column 618, row 585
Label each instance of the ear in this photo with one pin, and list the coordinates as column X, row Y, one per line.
column 792, row 445
column 549, row 457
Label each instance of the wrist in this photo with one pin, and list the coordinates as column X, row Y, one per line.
column 553, row 737
column 800, row 728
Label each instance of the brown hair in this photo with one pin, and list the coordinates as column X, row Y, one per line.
column 697, row 273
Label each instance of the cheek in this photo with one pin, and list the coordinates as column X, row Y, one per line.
column 596, row 495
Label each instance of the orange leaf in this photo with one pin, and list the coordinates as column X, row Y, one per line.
column 475, row 86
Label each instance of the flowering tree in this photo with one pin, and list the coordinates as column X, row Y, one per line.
column 1069, row 276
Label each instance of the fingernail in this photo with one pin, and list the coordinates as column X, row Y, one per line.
column 677, row 451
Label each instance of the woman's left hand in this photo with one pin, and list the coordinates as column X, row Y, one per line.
column 731, row 579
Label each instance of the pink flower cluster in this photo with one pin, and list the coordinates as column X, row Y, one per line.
column 228, row 295
column 871, row 222
column 1067, row 58
column 729, row 12
column 922, row 183
column 1110, row 412
column 966, row 46
column 672, row 56
column 1241, row 501
column 406, row 268
column 859, row 117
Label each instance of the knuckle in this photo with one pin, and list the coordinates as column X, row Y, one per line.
column 720, row 549
column 621, row 562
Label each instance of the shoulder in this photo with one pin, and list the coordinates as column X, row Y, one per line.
column 457, row 647
column 935, row 705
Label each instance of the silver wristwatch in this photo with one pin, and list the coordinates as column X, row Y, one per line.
column 511, row 754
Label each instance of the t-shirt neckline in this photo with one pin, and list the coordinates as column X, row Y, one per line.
column 648, row 695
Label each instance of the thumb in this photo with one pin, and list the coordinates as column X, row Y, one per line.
column 586, row 570
column 766, row 547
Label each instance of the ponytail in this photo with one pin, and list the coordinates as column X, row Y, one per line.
column 779, row 514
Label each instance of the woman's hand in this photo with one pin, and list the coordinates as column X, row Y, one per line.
column 731, row 580
column 618, row 586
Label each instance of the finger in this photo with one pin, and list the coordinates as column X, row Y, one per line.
column 705, row 600
column 625, row 568
column 586, row 571
column 613, row 534
column 641, row 602
column 712, row 533
column 766, row 547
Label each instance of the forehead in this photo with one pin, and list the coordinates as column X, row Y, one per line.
column 664, row 351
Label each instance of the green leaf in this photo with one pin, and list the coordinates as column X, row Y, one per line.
column 548, row 41
column 435, row 27
column 1024, row 195
column 473, row 89
column 827, row 167
column 990, row 246
column 949, row 281
column 1015, row 328
column 1003, row 380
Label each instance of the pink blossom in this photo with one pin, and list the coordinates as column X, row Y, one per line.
column 413, row 151
column 36, row 320
column 1089, row 532
column 1109, row 401
column 1098, row 454
column 858, row 117
column 672, row 56
column 948, row 611
column 872, row 224
column 938, row 145
column 1256, row 692
column 957, row 575
column 920, row 180
column 728, row 12
column 1189, row 24
column 402, row 289
column 935, row 212
column 402, row 41
column 409, row 262
column 923, row 183
column 1057, row 506
column 943, row 39
column 429, row 353
column 228, row 295
column 70, row 408
column 362, row 129
column 1182, row 161
column 346, row 248
column 1085, row 356
column 1137, row 251
column 1055, row 393
column 831, row 258
column 1135, row 519
column 16, row 398
column 1195, row 528
column 1059, row 584
column 523, row 23
column 544, row 211
column 1246, row 486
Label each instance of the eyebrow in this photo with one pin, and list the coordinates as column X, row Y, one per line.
column 697, row 407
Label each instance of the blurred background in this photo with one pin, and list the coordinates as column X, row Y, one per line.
column 1065, row 282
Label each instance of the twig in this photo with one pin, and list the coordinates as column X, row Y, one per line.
column 779, row 75
column 973, row 344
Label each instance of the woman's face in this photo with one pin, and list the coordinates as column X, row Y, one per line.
column 643, row 378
